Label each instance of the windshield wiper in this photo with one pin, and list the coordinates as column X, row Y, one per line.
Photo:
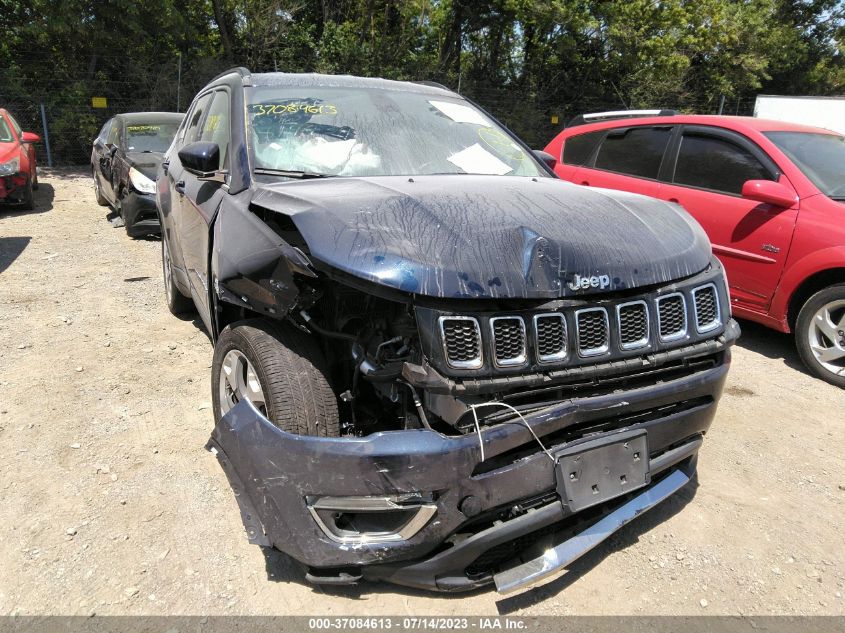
column 838, row 198
column 262, row 171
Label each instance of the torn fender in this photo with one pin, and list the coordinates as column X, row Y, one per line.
column 252, row 264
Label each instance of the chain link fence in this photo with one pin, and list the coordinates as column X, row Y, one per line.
column 74, row 109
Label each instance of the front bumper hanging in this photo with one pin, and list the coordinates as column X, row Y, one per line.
column 438, row 505
column 555, row 559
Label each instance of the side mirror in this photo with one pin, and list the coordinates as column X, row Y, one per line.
column 29, row 137
column 547, row 158
column 202, row 159
column 770, row 192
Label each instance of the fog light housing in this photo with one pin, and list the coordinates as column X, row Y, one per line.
column 376, row 519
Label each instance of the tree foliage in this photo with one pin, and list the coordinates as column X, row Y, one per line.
column 523, row 59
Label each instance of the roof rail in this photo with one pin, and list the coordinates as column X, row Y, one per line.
column 243, row 72
column 595, row 117
column 433, row 84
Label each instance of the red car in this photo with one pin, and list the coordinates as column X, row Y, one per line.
column 771, row 196
column 18, row 176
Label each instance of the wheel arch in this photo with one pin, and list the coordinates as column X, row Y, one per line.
column 810, row 286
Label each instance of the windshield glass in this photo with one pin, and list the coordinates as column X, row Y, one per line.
column 820, row 156
column 5, row 132
column 372, row 132
column 150, row 137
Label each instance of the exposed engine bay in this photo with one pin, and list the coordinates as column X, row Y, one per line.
column 390, row 354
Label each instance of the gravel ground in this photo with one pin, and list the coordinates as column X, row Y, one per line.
column 110, row 505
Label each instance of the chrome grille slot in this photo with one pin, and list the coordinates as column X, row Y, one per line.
column 508, row 341
column 461, row 342
column 550, row 337
column 632, row 321
column 672, row 317
column 706, row 305
column 592, row 331
column 560, row 335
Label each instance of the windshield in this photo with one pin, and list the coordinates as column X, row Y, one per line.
column 373, row 132
column 150, row 137
column 5, row 132
column 820, row 156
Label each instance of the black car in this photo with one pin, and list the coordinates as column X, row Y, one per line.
column 124, row 161
column 435, row 363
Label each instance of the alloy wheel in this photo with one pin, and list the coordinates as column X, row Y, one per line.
column 826, row 334
column 168, row 271
column 239, row 381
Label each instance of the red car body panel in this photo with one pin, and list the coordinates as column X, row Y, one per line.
column 11, row 185
column 768, row 252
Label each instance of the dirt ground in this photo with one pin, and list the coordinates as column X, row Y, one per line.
column 110, row 505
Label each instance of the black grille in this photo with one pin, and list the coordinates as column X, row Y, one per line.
column 706, row 308
column 551, row 336
column 462, row 340
column 633, row 324
column 509, row 340
column 673, row 320
column 592, row 331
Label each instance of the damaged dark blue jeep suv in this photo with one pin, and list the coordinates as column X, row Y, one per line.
column 435, row 363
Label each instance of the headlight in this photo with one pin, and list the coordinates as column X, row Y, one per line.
column 12, row 167
column 140, row 182
column 729, row 311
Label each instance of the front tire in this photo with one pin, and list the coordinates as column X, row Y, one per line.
column 177, row 303
column 28, row 201
column 820, row 334
column 281, row 371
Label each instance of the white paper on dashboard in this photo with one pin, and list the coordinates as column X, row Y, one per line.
column 461, row 113
column 477, row 160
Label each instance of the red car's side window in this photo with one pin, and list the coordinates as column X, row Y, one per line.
column 636, row 151
column 578, row 150
column 715, row 164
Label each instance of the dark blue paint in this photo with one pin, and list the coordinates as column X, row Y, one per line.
column 443, row 236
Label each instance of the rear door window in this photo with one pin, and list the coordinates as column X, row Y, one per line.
column 577, row 150
column 708, row 162
column 634, row 151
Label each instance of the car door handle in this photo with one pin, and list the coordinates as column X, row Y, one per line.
column 675, row 200
column 165, row 165
column 180, row 187
column 586, row 183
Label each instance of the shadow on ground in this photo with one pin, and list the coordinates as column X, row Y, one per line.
column 771, row 344
column 281, row 568
column 44, row 197
column 10, row 249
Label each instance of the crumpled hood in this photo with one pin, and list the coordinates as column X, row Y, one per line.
column 145, row 162
column 490, row 236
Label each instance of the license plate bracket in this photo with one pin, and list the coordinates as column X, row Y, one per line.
column 598, row 470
